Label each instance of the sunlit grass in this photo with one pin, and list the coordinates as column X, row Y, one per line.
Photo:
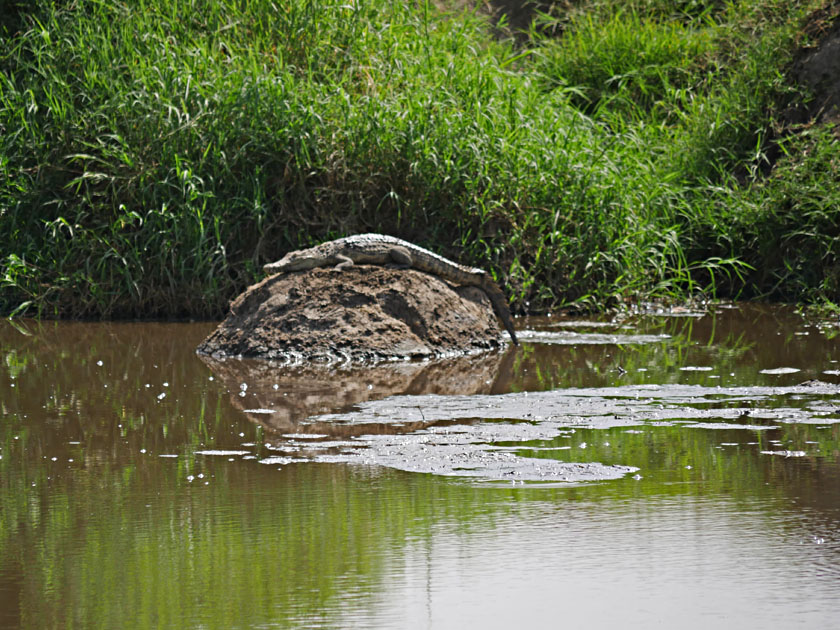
column 154, row 156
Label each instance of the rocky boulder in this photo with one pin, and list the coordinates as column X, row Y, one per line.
column 360, row 315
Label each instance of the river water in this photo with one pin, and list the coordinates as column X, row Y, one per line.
column 671, row 469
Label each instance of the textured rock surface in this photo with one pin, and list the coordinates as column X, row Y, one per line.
column 362, row 314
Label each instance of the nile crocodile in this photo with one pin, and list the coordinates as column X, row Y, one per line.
column 379, row 249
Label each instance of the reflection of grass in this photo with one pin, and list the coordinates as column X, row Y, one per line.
column 118, row 538
column 121, row 538
column 690, row 342
column 665, row 453
column 736, row 343
column 143, row 553
column 259, row 546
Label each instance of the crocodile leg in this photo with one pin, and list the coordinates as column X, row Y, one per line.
column 401, row 257
column 343, row 262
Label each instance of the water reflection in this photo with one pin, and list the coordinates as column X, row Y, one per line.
column 726, row 346
column 279, row 398
column 115, row 511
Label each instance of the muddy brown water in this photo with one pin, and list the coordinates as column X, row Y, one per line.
column 675, row 469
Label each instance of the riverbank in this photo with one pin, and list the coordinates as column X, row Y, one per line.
column 151, row 161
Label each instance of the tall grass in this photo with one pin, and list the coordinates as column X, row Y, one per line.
column 636, row 67
column 153, row 155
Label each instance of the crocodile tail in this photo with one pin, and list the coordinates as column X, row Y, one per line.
column 500, row 305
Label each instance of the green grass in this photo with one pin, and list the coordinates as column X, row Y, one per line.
column 153, row 155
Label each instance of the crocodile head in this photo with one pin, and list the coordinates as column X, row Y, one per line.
column 296, row 261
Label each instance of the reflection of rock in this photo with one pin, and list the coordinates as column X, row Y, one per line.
column 362, row 314
column 281, row 398
column 294, row 405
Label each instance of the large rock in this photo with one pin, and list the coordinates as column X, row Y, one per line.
column 362, row 314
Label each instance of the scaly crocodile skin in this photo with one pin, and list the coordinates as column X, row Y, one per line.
column 379, row 249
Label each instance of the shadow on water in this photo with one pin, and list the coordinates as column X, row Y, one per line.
column 664, row 455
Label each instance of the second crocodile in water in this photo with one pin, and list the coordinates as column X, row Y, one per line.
column 379, row 249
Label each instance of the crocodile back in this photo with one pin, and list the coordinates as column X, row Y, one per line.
column 360, row 246
column 381, row 249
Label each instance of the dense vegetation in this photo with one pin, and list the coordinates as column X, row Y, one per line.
column 154, row 154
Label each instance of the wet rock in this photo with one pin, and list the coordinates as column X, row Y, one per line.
column 360, row 315
column 609, row 407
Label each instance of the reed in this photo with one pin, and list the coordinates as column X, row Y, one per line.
column 153, row 155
